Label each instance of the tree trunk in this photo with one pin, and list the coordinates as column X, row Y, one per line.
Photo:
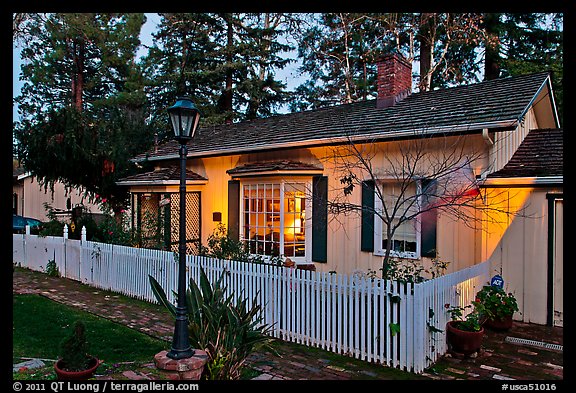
column 426, row 39
column 227, row 103
column 78, row 77
column 492, row 55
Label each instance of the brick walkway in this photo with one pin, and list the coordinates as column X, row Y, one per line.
column 498, row 359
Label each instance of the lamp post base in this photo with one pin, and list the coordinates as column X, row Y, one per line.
column 182, row 369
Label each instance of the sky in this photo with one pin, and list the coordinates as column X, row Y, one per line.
column 289, row 75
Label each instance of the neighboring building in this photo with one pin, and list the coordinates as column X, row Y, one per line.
column 273, row 182
column 29, row 197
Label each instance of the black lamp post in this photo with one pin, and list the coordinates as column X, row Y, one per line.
column 184, row 117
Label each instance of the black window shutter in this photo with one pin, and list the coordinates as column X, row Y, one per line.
column 428, row 220
column 233, row 209
column 367, row 229
column 320, row 219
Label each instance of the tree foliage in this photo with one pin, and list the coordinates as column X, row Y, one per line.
column 225, row 62
column 82, row 105
column 527, row 43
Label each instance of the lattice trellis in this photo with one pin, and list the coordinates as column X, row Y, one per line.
column 192, row 222
column 157, row 217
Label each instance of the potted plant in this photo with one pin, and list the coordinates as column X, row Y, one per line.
column 75, row 363
column 501, row 304
column 464, row 332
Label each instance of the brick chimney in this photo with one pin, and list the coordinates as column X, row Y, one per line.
column 394, row 80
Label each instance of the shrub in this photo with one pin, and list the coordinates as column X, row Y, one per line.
column 222, row 246
column 75, row 349
column 472, row 321
column 410, row 270
column 499, row 303
column 227, row 329
column 52, row 269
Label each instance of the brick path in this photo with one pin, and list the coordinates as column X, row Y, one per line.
column 498, row 359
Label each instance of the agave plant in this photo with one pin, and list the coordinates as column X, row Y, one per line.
column 224, row 326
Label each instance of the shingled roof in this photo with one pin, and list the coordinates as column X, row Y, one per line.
column 498, row 103
column 160, row 175
column 541, row 154
column 273, row 167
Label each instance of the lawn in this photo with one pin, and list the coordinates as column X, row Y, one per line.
column 40, row 325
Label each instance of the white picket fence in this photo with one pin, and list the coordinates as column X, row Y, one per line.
column 387, row 322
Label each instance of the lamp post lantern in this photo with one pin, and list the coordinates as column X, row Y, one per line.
column 184, row 116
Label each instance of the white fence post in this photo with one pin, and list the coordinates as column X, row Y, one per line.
column 83, row 234
column 65, row 234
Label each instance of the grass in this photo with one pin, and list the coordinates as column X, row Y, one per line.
column 40, row 325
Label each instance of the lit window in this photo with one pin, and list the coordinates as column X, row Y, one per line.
column 274, row 219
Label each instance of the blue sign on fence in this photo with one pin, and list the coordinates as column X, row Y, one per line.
column 497, row 281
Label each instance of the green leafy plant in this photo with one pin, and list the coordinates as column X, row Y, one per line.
column 410, row 270
column 227, row 329
column 222, row 246
column 469, row 321
column 52, row 269
column 497, row 301
column 74, row 349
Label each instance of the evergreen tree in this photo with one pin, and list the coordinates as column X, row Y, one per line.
column 225, row 62
column 82, row 104
column 533, row 42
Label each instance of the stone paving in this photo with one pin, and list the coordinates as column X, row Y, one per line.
column 497, row 360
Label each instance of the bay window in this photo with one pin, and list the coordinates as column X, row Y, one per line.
column 274, row 219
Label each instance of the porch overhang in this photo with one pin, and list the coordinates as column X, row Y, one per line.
column 275, row 168
column 162, row 177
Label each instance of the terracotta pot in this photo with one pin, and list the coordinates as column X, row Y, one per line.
column 66, row 375
column 503, row 323
column 463, row 341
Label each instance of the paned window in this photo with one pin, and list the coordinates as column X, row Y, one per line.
column 274, row 219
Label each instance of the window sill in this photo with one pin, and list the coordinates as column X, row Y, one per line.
column 393, row 254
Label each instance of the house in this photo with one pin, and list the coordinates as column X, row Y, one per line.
column 314, row 186
column 29, row 197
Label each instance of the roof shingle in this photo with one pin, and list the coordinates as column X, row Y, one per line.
column 540, row 154
column 481, row 105
column 171, row 173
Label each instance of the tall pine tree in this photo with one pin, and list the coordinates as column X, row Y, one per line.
column 225, row 62
column 82, row 107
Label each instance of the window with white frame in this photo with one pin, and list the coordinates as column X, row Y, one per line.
column 274, row 219
column 400, row 200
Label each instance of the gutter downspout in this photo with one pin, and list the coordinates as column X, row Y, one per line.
column 486, row 137
column 489, row 142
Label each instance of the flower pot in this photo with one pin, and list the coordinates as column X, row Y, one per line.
column 463, row 341
column 66, row 375
column 503, row 323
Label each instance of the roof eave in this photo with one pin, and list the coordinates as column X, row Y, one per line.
column 159, row 182
column 525, row 181
column 277, row 173
column 505, row 124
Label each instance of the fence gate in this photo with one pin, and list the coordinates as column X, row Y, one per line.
column 157, row 219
